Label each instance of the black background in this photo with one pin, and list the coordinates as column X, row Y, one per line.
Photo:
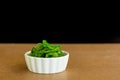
column 59, row 35
column 69, row 25
column 22, row 29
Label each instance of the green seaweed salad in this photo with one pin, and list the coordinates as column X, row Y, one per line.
column 46, row 50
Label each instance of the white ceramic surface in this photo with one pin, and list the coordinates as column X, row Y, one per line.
column 46, row 65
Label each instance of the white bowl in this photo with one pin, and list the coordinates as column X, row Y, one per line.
column 46, row 65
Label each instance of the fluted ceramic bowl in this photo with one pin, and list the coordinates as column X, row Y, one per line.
column 46, row 65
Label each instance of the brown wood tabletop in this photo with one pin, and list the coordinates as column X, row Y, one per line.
column 86, row 62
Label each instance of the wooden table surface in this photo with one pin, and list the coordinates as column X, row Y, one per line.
column 86, row 62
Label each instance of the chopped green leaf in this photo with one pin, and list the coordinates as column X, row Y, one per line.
column 46, row 50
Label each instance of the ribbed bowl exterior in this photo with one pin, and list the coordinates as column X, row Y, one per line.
column 46, row 65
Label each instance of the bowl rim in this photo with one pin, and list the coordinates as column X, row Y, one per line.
column 28, row 52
